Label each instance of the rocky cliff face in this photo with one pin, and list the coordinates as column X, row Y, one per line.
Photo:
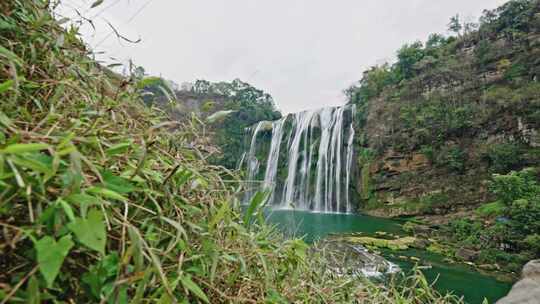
column 437, row 124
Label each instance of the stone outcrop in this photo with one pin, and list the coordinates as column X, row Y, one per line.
column 527, row 290
column 346, row 258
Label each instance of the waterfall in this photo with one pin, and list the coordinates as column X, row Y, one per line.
column 273, row 157
column 309, row 161
column 252, row 161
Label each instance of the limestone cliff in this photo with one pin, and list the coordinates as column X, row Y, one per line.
column 448, row 114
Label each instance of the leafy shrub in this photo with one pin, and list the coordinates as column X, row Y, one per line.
column 455, row 159
column 504, row 157
column 429, row 153
column 467, row 231
column 208, row 106
column 491, row 209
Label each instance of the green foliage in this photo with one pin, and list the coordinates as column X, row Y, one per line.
column 99, row 280
column 443, row 93
column 429, row 152
column 508, row 229
column 511, row 18
column 208, row 106
column 408, row 56
column 371, row 85
column 504, row 157
column 245, row 106
column 90, row 231
column 153, row 88
column 430, row 201
column 455, row 24
column 112, row 206
column 496, row 208
column 515, row 186
column 51, row 255
column 468, row 231
column 456, row 159
column 532, row 242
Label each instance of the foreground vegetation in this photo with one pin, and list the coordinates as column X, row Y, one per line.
column 102, row 200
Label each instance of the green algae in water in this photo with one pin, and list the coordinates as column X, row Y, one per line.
column 456, row 278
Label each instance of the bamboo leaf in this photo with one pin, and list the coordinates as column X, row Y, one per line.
column 34, row 296
column 23, row 148
column 96, row 3
column 5, row 120
column 30, row 163
column 67, row 209
column 116, row 183
column 194, row 288
column 10, row 55
column 107, row 193
column 6, row 85
column 256, row 202
column 118, row 149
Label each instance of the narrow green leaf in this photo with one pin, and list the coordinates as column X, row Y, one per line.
column 194, row 288
column 18, row 177
column 91, row 231
column 6, row 85
column 107, row 193
column 5, row 120
column 165, row 299
column 176, row 225
column 32, row 291
column 256, row 202
column 116, row 183
column 10, row 55
column 67, row 209
column 216, row 219
column 31, row 163
column 23, row 148
column 118, row 149
column 96, row 3
column 51, row 255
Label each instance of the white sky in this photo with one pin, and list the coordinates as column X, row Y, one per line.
column 303, row 52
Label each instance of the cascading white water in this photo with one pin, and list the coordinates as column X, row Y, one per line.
column 252, row 161
column 309, row 160
column 273, row 157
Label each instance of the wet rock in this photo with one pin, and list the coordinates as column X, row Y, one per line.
column 420, row 244
column 467, row 254
column 489, row 267
column 527, row 290
column 345, row 258
column 397, row 244
column 417, row 229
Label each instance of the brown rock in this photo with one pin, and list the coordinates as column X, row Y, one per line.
column 467, row 254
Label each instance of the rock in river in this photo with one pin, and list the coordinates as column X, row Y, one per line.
column 345, row 258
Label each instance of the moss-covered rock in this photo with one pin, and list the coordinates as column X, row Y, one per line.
column 397, row 244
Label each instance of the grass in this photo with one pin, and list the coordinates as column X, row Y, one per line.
column 103, row 200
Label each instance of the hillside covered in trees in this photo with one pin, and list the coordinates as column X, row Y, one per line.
column 450, row 133
column 227, row 109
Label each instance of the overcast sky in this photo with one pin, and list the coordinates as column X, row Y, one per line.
column 302, row 52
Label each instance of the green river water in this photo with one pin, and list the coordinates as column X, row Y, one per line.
column 459, row 279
